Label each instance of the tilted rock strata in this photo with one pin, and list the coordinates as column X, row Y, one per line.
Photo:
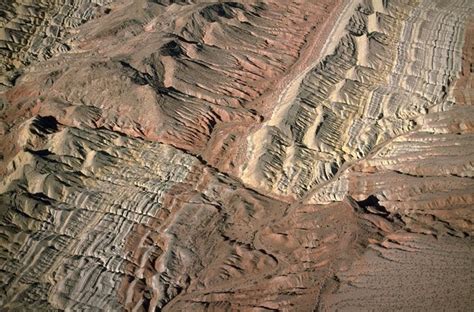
column 386, row 73
column 92, row 212
column 34, row 30
column 73, row 202
column 253, row 155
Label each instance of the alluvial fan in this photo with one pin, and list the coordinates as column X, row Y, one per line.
column 249, row 155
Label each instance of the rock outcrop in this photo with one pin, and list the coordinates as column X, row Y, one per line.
column 251, row 155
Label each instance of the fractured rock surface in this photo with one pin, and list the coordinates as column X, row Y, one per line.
column 251, row 155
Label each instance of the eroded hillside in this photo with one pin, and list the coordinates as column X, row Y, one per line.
column 187, row 155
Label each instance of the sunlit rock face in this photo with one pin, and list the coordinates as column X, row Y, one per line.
column 187, row 155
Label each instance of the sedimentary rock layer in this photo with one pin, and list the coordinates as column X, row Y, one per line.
column 32, row 30
column 250, row 155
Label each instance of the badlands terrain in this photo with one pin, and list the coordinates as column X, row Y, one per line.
column 256, row 155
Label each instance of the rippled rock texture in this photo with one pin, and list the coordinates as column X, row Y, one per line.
column 186, row 155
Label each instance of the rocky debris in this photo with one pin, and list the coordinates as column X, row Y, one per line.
column 247, row 155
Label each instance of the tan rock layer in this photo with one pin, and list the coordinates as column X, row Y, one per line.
column 34, row 30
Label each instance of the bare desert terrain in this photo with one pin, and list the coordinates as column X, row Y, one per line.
column 248, row 155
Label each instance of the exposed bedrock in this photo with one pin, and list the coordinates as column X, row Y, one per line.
column 183, row 155
column 388, row 70
column 34, row 30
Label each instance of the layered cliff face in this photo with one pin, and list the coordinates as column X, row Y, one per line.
column 250, row 155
